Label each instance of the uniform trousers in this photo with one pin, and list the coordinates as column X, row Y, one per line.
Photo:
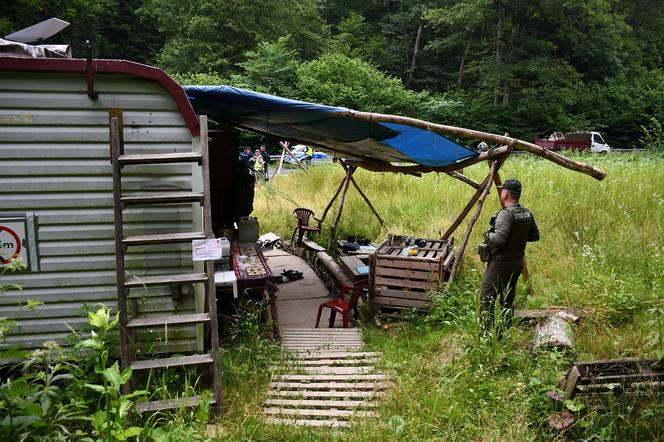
column 499, row 284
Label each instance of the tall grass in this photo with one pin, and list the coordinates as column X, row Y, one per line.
column 601, row 248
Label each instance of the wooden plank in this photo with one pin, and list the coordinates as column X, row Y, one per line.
column 146, row 281
column 339, row 355
column 162, row 238
column 336, row 362
column 312, row 245
column 331, row 377
column 381, row 280
column 321, row 403
column 338, row 386
column 399, row 302
column 322, row 330
column 304, row 393
column 161, row 158
column 162, row 198
column 570, row 382
column 333, row 423
column 407, row 264
column 195, row 318
column 336, row 370
column 427, row 275
column 177, row 361
column 402, row 294
column 169, row 404
column 318, row 413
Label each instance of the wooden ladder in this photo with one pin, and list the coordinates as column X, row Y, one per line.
column 208, row 319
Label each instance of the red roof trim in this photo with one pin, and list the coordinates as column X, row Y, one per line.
column 109, row 66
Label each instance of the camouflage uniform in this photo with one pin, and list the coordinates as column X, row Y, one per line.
column 513, row 227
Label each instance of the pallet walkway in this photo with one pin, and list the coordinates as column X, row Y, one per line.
column 329, row 381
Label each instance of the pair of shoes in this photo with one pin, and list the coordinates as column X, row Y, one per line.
column 292, row 275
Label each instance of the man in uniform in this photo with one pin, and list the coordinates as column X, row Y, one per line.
column 266, row 161
column 510, row 229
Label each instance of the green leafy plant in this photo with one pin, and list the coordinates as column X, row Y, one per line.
column 109, row 421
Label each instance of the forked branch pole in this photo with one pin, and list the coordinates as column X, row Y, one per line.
column 333, row 230
column 487, row 184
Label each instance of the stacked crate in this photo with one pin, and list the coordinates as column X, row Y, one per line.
column 402, row 281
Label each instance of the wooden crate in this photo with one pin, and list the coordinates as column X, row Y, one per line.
column 404, row 282
column 614, row 376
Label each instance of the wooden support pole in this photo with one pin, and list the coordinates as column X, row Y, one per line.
column 336, row 194
column 333, row 230
column 366, row 199
column 461, row 177
column 288, row 151
column 478, row 135
column 462, row 247
column 281, row 163
column 487, row 182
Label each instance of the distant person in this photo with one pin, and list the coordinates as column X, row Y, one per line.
column 511, row 228
column 482, row 147
column 259, row 165
column 266, row 161
column 245, row 156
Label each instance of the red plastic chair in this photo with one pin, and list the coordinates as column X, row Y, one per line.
column 342, row 305
column 303, row 215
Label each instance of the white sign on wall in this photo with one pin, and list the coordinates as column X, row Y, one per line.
column 13, row 241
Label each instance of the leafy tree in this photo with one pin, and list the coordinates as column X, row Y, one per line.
column 338, row 80
column 271, row 68
column 214, row 35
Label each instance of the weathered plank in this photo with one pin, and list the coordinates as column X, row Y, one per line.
column 309, row 393
column 330, row 377
column 338, row 386
column 320, row 403
column 321, row 413
column 308, row 422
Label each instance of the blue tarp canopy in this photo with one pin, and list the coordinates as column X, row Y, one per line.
column 325, row 126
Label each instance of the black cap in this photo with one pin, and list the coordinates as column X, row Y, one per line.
column 513, row 186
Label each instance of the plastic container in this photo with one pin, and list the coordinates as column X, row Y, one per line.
column 225, row 247
column 248, row 229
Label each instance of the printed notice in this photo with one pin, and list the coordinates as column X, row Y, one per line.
column 206, row 249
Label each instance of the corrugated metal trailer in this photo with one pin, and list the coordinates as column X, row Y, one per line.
column 55, row 177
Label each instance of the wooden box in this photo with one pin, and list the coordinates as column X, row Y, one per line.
column 404, row 282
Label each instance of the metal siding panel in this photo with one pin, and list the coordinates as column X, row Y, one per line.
column 54, row 163
column 82, row 150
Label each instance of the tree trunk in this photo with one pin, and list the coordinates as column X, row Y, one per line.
column 462, row 63
column 413, row 63
column 500, row 12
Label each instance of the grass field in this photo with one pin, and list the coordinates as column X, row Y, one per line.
column 602, row 248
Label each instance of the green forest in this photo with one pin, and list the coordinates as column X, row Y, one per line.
column 527, row 67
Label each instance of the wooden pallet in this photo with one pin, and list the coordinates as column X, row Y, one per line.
column 617, row 375
column 323, row 387
column 404, row 282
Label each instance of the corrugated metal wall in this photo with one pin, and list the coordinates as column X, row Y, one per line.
column 54, row 163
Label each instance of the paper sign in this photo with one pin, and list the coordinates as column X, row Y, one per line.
column 13, row 241
column 206, row 249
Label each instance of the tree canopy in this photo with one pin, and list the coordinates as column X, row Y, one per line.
column 529, row 67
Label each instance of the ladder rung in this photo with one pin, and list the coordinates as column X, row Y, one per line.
column 162, row 198
column 161, row 158
column 170, row 404
column 178, row 361
column 140, row 281
column 195, row 318
column 162, row 238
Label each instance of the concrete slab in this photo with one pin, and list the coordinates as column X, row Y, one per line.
column 298, row 301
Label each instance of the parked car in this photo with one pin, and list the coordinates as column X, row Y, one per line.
column 307, row 156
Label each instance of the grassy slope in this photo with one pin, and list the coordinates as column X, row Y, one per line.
column 602, row 247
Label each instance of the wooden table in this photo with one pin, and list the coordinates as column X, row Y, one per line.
column 350, row 264
column 252, row 271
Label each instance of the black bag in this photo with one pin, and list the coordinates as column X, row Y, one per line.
column 484, row 252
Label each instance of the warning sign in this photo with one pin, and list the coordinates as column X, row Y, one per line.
column 13, row 241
